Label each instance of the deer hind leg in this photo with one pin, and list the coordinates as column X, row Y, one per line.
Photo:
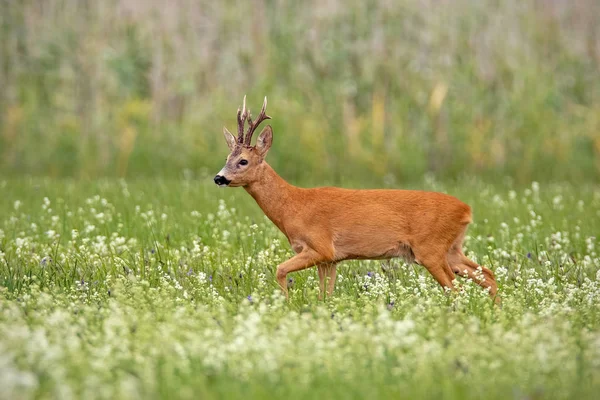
column 462, row 266
column 438, row 266
column 327, row 274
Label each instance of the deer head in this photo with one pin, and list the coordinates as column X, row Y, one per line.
column 244, row 163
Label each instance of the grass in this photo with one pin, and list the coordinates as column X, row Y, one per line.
column 166, row 289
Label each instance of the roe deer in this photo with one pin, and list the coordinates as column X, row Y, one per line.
column 327, row 225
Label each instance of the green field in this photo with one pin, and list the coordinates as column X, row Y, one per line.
column 125, row 273
column 166, row 289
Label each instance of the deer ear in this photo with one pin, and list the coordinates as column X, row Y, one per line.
column 264, row 141
column 229, row 138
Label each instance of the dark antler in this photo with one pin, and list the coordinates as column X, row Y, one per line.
column 241, row 120
column 253, row 125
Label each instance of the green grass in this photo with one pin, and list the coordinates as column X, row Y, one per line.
column 163, row 286
column 166, row 289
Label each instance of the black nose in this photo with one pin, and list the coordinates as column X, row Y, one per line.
column 221, row 180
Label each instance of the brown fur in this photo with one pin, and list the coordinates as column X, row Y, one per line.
column 327, row 225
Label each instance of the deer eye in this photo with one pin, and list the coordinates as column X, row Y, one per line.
column 243, row 162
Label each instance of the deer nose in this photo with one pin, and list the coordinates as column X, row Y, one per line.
column 221, row 180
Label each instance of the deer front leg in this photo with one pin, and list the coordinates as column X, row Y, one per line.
column 307, row 258
column 326, row 270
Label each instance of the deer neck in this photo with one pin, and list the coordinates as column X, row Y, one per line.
column 273, row 195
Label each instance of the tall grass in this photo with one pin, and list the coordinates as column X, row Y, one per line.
column 163, row 289
column 358, row 90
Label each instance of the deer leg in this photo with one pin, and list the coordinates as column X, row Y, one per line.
column 323, row 273
column 439, row 268
column 326, row 271
column 464, row 267
column 307, row 258
column 332, row 276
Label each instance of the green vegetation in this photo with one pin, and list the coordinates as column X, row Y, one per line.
column 162, row 289
column 125, row 273
column 359, row 90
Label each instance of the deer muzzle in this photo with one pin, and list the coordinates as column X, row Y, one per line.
column 221, row 180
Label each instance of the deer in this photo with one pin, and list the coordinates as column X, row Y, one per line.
column 328, row 225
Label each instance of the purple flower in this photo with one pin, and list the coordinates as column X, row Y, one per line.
column 190, row 272
column 210, row 278
column 369, row 274
column 249, row 298
column 528, row 255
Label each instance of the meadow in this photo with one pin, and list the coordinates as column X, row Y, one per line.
column 166, row 289
column 125, row 273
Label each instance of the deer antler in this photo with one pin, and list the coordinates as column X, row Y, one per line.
column 241, row 120
column 253, row 125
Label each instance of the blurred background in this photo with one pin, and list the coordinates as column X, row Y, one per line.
column 372, row 92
